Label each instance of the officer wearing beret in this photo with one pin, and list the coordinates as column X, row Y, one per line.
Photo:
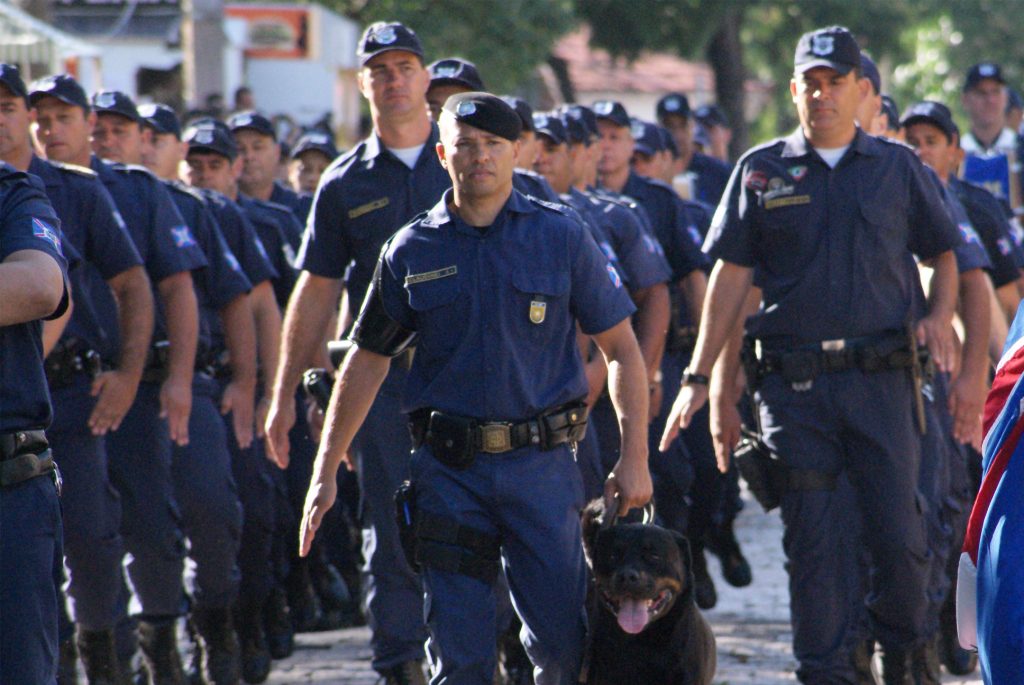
column 364, row 197
column 33, row 286
column 310, row 157
column 825, row 222
column 491, row 285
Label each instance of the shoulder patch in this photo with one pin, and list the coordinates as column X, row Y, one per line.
column 556, row 206
column 73, row 168
column 135, row 169
column 186, row 190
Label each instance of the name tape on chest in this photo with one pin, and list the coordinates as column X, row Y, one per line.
column 412, row 279
column 787, row 201
column 368, row 207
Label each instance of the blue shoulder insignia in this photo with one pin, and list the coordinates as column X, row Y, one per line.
column 73, row 168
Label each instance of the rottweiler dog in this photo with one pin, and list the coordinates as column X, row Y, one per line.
column 645, row 626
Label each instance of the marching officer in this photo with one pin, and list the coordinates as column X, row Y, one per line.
column 310, row 157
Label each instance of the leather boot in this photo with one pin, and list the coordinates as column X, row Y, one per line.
column 723, row 543
column 408, row 673
column 99, row 658
column 159, row 645
column 67, row 665
column 277, row 624
column 255, row 656
column 895, row 667
column 703, row 587
column 218, row 644
column 924, row 665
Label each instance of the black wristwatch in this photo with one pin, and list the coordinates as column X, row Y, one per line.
column 691, row 378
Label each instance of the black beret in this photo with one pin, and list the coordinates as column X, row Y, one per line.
column 486, row 112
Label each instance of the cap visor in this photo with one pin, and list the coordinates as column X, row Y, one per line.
column 840, row 68
column 399, row 48
column 923, row 119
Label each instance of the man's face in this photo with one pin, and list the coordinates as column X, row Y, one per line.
column 118, row 138
column 395, row 83
column 14, row 122
column 304, row 172
column 985, row 104
column 260, row 156
column 616, row 145
column 933, row 147
column 554, row 164
column 869, row 111
column 527, row 150
column 647, row 165
column 826, row 100
column 682, row 131
column 438, row 95
column 212, row 171
column 579, row 162
column 162, row 153
column 63, row 130
column 479, row 163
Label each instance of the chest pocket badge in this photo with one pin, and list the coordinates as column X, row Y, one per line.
column 538, row 310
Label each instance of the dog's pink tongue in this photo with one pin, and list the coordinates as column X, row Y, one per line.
column 632, row 615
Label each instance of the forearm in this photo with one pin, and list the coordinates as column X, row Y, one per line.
column 727, row 293
column 305, row 326
column 998, row 330
column 651, row 325
column 726, row 370
column 694, row 287
column 27, row 294
column 182, row 313
column 627, row 387
column 267, row 318
column 134, row 298
column 1008, row 299
column 240, row 338
column 942, row 295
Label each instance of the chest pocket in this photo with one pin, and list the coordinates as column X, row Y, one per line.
column 540, row 305
column 440, row 310
column 885, row 224
column 788, row 234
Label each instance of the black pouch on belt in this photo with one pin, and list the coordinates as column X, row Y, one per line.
column 452, row 439
column 405, row 516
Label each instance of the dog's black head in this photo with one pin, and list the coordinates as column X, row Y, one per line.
column 640, row 571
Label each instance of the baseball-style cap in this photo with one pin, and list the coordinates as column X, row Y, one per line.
column 711, row 115
column 585, row 115
column 385, row 36
column 315, row 140
column 1013, row 99
column 60, row 86
column 115, row 102
column 575, row 130
column 160, row 118
column 10, row 76
column 486, row 112
column 611, row 110
column 646, row 139
column 891, row 112
column 980, row 72
column 673, row 103
column 931, row 112
column 833, row 47
column 668, row 141
column 550, row 125
column 455, row 71
column 869, row 70
column 210, row 135
column 252, row 121
column 522, row 108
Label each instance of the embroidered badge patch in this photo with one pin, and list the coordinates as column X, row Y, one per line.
column 368, row 207
column 538, row 310
column 412, row 279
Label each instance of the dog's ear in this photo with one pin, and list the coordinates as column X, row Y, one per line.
column 684, row 550
column 591, row 521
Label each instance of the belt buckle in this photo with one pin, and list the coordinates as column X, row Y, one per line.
column 833, row 345
column 496, row 437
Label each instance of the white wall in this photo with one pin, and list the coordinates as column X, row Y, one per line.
column 122, row 60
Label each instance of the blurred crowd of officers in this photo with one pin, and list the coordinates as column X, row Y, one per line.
column 206, row 271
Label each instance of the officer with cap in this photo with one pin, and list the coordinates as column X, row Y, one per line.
column 81, row 364
column 705, row 175
column 448, row 77
column 1014, row 110
column 364, row 197
column 258, row 148
column 312, row 154
column 830, row 353
column 716, row 124
column 33, row 286
column 140, row 467
column 891, row 120
column 487, row 258
column 869, row 113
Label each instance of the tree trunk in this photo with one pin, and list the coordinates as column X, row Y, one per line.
column 725, row 54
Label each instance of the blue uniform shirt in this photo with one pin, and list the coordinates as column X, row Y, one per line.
column 363, row 198
column 495, row 309
column 598, row 231
column 831, row 247
column 970, row 253
column 298, row 203
column 990, row 221
column 27, row 222
column 712, row 176
column 529, row 182
column 240, row 236
column 276, row 230
column 92, row 225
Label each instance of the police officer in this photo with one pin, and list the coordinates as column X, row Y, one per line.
column 33, row 286
column 716, row 124
column 702, row 174
column 515, row 274
column 827, row 219
column 140, row 468
column 364, row 197
column 891, row 120
column 312, row 154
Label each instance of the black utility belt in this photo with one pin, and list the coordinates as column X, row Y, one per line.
column 456, row 440
column 24, row 455
column 70, row 358
column 158, row 360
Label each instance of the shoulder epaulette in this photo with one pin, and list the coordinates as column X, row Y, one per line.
column 276, row 206
column 73, row 168
column 186, row 190
column 135, row 169
column 9, row 174
column 556, row 206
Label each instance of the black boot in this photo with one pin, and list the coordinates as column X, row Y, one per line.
column 895, row 667
column 67, row 666
column 303, row 602
column 219, row 645
column 277, row 623
column 862, row 654
column 253, row 643
column 336, row 601
column 99, row 658
column 159, row 645
column 703, row 587
column 924, row 665
column 723, row 543
column 409, row 673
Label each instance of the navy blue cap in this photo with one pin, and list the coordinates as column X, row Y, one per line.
column 115, row 102
column 711, row 115
column 253, row 121
column 931, row 112
column 833, row 47
column 550, row 125
column 891, row 112
column 315, row 140
column 385, row 36
column 160, row 118
column 522, row 108
column 869, row 70
column 455, row 71
column 60, row 86
column 210, row 135
column 668, row 141
column 585, row 115
column 10, row 76
column 982, row 71
column 1013, row 100
column 486, row 112
column 673, row 103
column 700, row 136
column 575, row 130
column 646, row 138
column 611, row 110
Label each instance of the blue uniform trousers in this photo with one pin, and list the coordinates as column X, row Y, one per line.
column 531, row 499
column 93, row 546
column 205, row 490
column 140, row 470
column 862, row 425
column 392, row 591
column 30, row 572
